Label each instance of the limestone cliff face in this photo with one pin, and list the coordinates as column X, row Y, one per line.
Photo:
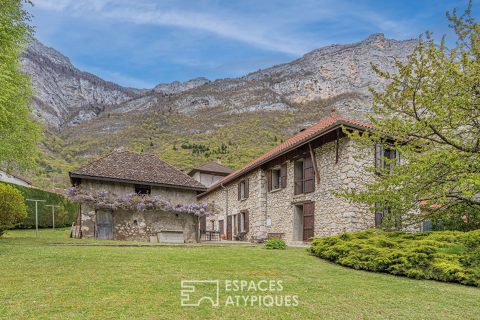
column 62, row 93
column 65, row 96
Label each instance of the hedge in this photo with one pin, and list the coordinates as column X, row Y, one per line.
column 64, row 215
column 451, row 256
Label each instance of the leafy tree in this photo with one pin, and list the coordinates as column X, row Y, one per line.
column 431, row 109
column 12, row 208
column 19, row 133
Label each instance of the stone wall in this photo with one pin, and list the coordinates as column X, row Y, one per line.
column 273, row 212
column 141, row 226
column 174, row 195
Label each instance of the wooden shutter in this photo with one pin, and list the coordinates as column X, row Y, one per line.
column 239, row 220
column 246, row 221
column 203, row 224
column 240, row 191
column 308, row 220
column 247, row 187
column 308, row 175
column 379, row 157
column 283, row 176
column 229, row 227
column 269, row 180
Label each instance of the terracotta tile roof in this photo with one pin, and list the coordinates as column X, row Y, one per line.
column 139, row 168
column 296, row 141
column 212, row 167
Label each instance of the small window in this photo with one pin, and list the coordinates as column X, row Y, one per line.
column 143, row 189
column 242, row 190
column 386, row 157
column 76, row 182
column 275, row 178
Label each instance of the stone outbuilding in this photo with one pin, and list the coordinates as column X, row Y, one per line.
column 292, row 190
column 123, row 175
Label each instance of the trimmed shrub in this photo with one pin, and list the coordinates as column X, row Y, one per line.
column 444, row 255
column 275, row 244
column 12, row 208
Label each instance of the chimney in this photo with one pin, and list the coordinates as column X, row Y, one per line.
column 333, row 113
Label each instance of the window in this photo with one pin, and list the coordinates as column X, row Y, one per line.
column 243, row 189
column 387, row 218
column 76, row 182
column 304, row 175
column 142, row 189
column 213, row 225
column 385, row 158
column 298, row 176
column 275, row 178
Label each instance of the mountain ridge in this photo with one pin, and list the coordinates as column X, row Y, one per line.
column 229, row 120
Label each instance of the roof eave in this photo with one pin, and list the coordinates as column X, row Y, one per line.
column 165, row 185
column 326, row 130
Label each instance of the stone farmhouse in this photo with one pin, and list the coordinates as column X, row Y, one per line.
column 210, row 173
column 126, row 173
column 290, row 191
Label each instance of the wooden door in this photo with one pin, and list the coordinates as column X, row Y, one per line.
column 221, row 228
column 308, row 220
column 104, row 225
column 308, row 175
column 229, row 227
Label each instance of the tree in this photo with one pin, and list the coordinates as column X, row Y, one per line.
column 19, row 133
column 12, row 207
column 431, row 111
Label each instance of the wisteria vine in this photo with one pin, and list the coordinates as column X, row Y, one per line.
column 105, row 200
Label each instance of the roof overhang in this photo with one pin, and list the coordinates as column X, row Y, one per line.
column 336, row 125
column 165, row 185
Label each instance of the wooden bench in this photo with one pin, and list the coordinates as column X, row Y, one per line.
column 275, row 235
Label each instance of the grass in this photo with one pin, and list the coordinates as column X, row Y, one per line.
column 42, row 281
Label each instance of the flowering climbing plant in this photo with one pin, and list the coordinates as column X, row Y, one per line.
column 102, row 199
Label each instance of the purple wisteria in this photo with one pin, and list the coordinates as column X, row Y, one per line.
column 105, row 200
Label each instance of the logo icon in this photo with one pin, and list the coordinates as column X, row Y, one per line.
column 194, row 292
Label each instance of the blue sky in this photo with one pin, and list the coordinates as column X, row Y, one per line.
column 141, row 43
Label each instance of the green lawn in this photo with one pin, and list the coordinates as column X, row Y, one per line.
column 41, row 281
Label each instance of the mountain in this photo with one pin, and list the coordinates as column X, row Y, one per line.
column 229, row 120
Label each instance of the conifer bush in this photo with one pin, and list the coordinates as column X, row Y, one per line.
column 451, row 256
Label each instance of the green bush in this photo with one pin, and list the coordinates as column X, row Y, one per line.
column 64, row 215
column 275, row 244
column 12, row 208
column 443, row 255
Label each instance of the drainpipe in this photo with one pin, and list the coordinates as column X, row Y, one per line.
column 226, row 209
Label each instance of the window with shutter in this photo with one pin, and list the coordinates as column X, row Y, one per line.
column 247, row 188
column 385, row 158
column 308, row 175
column 275, row 178
column 243, row 191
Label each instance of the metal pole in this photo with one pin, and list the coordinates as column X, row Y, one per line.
column 53, row 214
column 36, row 214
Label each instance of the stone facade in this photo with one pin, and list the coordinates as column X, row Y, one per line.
column 174, row 195
column 275, row 211
column 141, row 226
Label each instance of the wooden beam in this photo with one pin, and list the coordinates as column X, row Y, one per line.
column 336, row 146
column 314, row 160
